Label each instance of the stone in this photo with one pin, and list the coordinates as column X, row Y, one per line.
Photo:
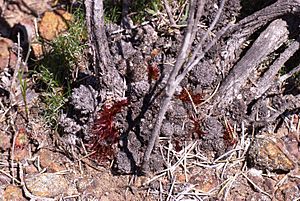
column 205, row 180
column 7, row 57
column 4, row 141
column 288, row 191
column 266, row 153
column 53, row 23
column 12, row 192
column 46, row 184
column 50, row 161
column 37, row 50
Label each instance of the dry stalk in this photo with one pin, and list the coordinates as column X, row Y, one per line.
column 171, row 188
column 185, row 63
column 169, row 12
column 11, row 177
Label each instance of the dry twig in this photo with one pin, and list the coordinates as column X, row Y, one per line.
column 186, row 64
column 168, row 10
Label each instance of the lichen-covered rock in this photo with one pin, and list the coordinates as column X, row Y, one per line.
column 12, row 192
column 75, row 122
column 69, row 125
column 84, row 99
column 7, row 57
column 266, row 153
column 212, row 138
column 47, row 184
column 54, row 23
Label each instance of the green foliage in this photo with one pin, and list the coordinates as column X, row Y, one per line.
column 144, row 8
column 66, row 49
column 54, row 95
column 53, row 72
column 139, row 10
column 112, row 12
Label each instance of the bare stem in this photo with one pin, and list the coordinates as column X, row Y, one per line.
column 183, row 62
column 168, row 10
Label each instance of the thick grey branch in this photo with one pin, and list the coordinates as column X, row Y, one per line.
column 265, row 82
column 104, row 66
column 268, row 41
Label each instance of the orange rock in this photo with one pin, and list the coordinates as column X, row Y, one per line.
column 46, row 184
column 205, row 181
column 13, row 193
column 267, row 153
column 288, row 191
column 50, row 160
column 54, row 23
column 181, row 178
column 7, row 57
column 37, row 50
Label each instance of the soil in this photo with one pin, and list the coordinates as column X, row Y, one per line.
column 212, row 145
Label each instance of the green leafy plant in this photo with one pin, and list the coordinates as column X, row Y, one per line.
column 54, row 95
column 112, row 13
column 144, row 8
column 138, row 10
column 53, row 73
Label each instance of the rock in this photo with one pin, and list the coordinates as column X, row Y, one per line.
column 288, row 191
column 7, row 57
column 122, row 163
column 167, row 129
column 50, row 160
column 212, row 136
column 291, row 144
column 205, row 181
column 4, row 141
column 47, row 184
column 267, row 153
column 37, row 50
column 265, row 183
column 31, row 169
column 27, row 32
column 54, row 23
column 12, row 192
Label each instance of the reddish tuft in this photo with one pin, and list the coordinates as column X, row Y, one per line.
column 229, row 135
column 104, row 133
column 197, row 127
column 184, row 96
column 153, row 72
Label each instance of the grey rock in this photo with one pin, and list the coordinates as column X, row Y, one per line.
column 69, row 125
column 47, row 184
column 84, row 99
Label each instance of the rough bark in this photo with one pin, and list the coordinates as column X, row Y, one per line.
column 267, row 80
column 268, row 41
column 240, row 32
column 103, row 64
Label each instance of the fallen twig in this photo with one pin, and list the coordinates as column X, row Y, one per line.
column 183, row 62
column 168, row 10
